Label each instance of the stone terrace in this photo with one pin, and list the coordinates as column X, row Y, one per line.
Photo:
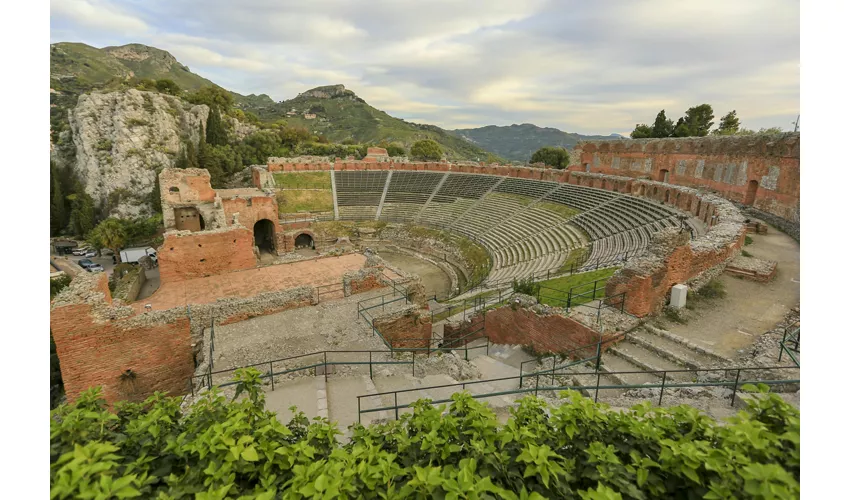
column 251, row 282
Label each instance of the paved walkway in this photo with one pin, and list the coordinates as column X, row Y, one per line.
column 251, row 282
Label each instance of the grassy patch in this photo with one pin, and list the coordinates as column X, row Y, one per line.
column 745, row 253
column 576, row 257
column 524, row 200
column 334, row 229
column 294, row 200
column 748, row 240
column 295, row 180
column 562, row 210
column 555, row 292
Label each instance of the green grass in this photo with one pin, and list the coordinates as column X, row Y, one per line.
column 576, row 257
column 562, row 210
column 748, row 240
column 301, row 200
column 745, row 253
column 313, row 180
column 555, row 292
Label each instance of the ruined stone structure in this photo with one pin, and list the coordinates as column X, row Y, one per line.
column 762, row 171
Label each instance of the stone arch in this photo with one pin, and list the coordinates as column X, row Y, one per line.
column 664, row 175
column 667, row 196
column 304, row 240
column 264, row 237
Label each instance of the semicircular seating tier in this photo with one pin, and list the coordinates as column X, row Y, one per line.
column 529, row 227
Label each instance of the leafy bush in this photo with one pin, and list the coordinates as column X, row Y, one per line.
column 238, row 449
column 526, row 286
column 714, row 289
column 58, row 284
column 556, row 157
column 745, row 253
column 748, row 240
column 426, row 150
column 103, row 145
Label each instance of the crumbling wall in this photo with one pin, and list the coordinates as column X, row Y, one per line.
column 184, row 255
column 261, row 177
column 101, row 344
column 544, row 332
column 407, row 328
column 363, row 280
column 185, row 188
column 250, row 209
column 725, row 165
column 130, row 285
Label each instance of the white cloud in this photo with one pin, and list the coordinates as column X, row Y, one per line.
column 591, row 67
column 98, row 15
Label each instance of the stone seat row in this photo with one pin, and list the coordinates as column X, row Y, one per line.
column 626, row 244
column 532, row 268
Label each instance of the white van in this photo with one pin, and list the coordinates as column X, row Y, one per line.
column 132, row 255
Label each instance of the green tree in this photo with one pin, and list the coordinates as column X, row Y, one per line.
column 729, row 124
column 212, row 96
column 293, row 136
column 156, row 194
column 681, row 129
column 111, row 234
column 191, row 155
column 699, row 120
column 641, row 131
column 216, row 135
column 663, row 126
column 57, row 202
column 167, row 86
column 82, row 212
column 426, row 150
column 556, row 157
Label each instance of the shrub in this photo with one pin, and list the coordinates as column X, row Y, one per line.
column 58, row 284
column 136, row 122
column 526, row 286
column 426, row 150
column 238, row 449
column 748, row 240
column 745, row 253
column 714, row 289
column 103, row 145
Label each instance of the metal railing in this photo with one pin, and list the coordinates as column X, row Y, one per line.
column 663, row 374
column 790, row 344
column 330, row 289
column 207, row 378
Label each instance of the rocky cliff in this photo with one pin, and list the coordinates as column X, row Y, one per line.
column 123, row 138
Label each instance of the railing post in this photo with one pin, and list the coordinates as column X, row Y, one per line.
column 553, row 370
column 271, row 373
column 661, row 396
column 395, row 396
column 209, row 376
column 370, row 364
column 735, row 388
column 594, row 288
column 326, row 365
column 536, row 384
column 358, row 409
column 596, row 396
column 599, row 353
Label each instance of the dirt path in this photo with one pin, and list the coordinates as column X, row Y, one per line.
column 749, row 309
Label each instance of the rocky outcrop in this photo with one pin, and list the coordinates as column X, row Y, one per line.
column 123, row 138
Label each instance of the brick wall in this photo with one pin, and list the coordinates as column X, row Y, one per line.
column 261, row 207
column 724, row 165
column 409, row 330
column 647, row 290
column 522, row 326
column 97, row 351
column 183, row 257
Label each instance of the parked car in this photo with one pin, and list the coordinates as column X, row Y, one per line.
column 90, row 266
column 90, row 253
column 80, row 251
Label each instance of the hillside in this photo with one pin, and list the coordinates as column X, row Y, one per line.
column 77, row 68
column 519, row 142
column 340, row 114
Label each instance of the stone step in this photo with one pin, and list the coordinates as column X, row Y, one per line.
column 673, row 351
column 302, row 392
column 648, row 359
column 589, row 382
column 715, row 357
column 611, row 364
column 342, row 395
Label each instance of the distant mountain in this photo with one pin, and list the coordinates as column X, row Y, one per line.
column 339, row 114
column 519, row 142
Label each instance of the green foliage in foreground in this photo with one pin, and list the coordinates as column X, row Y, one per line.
column 219, row 449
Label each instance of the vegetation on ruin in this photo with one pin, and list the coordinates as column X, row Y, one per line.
column 714, row 289
column 556, row 292
column 555, row 157
column 526, row 286
column 562, row 210
column 579, row 449
column 675, row 315
column 426, row 150
column 58, row 284
column 697, row 122
column 304, row 200
column 475, row 257
column 294, row 180
column 748, row 240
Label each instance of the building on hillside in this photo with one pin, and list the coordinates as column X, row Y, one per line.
column 309, row 116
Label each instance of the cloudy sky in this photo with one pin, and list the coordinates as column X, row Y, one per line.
column 581, row 66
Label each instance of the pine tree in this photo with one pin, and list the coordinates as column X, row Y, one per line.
column 191, row 155
column 663, row 127
column 729, row 124
column 182, row 160
column 203, row 150
column 216, row 135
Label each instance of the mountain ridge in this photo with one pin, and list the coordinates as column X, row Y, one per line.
column 518, row 142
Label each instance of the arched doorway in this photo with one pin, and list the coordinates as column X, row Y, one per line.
column 667, row 196
column 304, row 240
column 752, row 190
column 664, row 175
column 264, row 236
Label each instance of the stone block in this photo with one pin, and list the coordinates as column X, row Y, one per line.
column 678, row 296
